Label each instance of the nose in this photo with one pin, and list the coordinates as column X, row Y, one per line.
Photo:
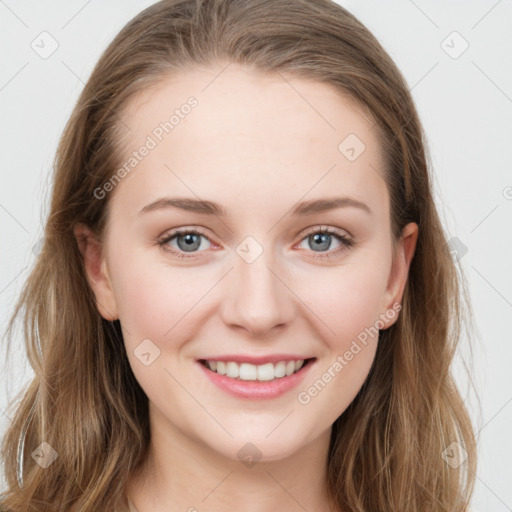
column 257, row 296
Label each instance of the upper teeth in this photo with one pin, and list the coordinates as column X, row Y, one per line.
column 247, row 371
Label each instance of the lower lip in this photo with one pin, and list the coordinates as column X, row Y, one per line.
column 254, row 389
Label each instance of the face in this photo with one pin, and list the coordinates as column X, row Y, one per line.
column 295, row 261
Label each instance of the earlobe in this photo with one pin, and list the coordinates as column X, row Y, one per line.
column 406, row 247
column 96, row 269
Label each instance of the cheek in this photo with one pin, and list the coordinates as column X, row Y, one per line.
column 346, row 299
column 347, row 303
column 159, row 304
column 154, row 299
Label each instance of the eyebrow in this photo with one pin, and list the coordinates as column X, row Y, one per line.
column 323, row 205
column 210, row 208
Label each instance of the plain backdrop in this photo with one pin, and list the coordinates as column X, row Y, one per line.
column 456, row 57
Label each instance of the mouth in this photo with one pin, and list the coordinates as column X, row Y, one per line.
column 257, row 373
column 249, row 381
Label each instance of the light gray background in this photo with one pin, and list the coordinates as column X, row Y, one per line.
column 465, row 102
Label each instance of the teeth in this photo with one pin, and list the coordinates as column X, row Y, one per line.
column 232, row 370
column 246, row 371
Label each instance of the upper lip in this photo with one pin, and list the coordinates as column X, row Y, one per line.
column 256, row 360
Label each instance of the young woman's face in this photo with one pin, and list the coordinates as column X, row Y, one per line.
column 284, row 160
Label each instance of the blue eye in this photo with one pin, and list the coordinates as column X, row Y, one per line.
column 188, row 240
column 320, row 239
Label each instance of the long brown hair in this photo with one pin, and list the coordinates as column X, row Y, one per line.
column 387, row 451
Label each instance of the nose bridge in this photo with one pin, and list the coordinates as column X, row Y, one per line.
column 258, row 298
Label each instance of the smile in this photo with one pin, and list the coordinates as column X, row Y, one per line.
column 247, row 371
column 245, row 380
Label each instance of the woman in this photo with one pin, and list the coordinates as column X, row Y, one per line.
column 244, row 299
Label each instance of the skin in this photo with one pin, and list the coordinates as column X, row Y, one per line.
column 257, row 144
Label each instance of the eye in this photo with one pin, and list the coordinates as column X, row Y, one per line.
column 322, row 238
column 187, row 240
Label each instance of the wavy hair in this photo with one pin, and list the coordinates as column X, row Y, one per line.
column 387, row 449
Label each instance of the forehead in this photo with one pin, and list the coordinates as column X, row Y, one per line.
column 259, row 137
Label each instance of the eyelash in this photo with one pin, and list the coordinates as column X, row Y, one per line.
column 347, row 243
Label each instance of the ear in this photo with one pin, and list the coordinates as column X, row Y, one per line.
column 95, row 266
column 400, row 270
